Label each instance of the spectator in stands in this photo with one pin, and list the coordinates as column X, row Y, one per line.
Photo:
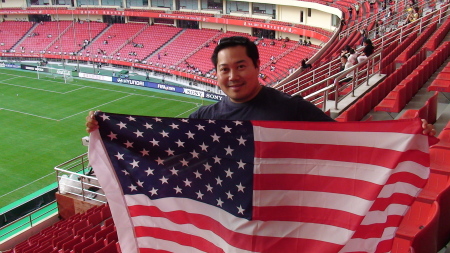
column 350, row 11
column 357, row 9
column 364, row 35
column 367, row 51
column 414, row 15
column 346, row 50
column 408, row 10
column 272, row 43
column 306, row 65
column 381, row 28
column 352, row 56
column 346, row 64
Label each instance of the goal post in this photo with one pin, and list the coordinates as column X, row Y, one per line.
column 54, row 73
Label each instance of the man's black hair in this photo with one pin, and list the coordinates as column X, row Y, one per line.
column 251, row 48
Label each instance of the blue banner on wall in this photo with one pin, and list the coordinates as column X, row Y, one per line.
column 167, row 87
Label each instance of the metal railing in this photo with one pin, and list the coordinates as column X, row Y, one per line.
column 362, row 72
column 73, row 177
column 29, row 220
column 392, row 35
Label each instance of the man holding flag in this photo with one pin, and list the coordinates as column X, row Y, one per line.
column 218, row 183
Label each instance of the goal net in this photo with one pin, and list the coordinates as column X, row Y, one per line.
column 53, row 73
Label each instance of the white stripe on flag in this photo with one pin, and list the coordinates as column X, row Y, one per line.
column 113, row 191
column 336, row 201
column 399, row 187
column 359, row 171
column 375, row 217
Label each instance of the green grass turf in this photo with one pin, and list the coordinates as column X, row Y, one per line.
column 42, row 122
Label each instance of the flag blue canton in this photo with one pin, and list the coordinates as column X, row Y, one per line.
column 209, row 161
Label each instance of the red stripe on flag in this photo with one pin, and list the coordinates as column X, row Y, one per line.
column 353, row 154
column 144, row 250
column 406, row 177
column 397, row 198
column 299, row 182
column 317, row 215
column 242, row 241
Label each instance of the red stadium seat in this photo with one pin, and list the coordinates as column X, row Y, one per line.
column 94, row 247
column 109, row 248
column 78, row 248
column 418, row 229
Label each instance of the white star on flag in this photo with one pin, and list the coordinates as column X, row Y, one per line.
column 135, row 164
column 226, row 129
column 112, row 136
column 122, row 125
column 154, row 191
column 149, row 171
column 180, row 143
column 199, row 194
column 174, row 171
column 229, row 173
column 194, row 154
column 190, row 135
column 187, row 182
column 144, row 152
column 241, row 164
column 164, row 180
column 129, row 144
column 178, row 189
column 119, row 156
column 104, row 117
column 207, row 167
column 200, row 127
column 139, row 133
column 154, row 142
column 132, row 187
column 215, row 137
column 229, row 151
column 240, row 187
column 242, row 141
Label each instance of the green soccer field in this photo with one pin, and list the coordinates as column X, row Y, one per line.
column 42, row 123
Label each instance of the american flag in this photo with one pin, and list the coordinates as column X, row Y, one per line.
column 188, row 185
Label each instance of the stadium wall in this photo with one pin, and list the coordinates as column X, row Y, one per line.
column 212, row 26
